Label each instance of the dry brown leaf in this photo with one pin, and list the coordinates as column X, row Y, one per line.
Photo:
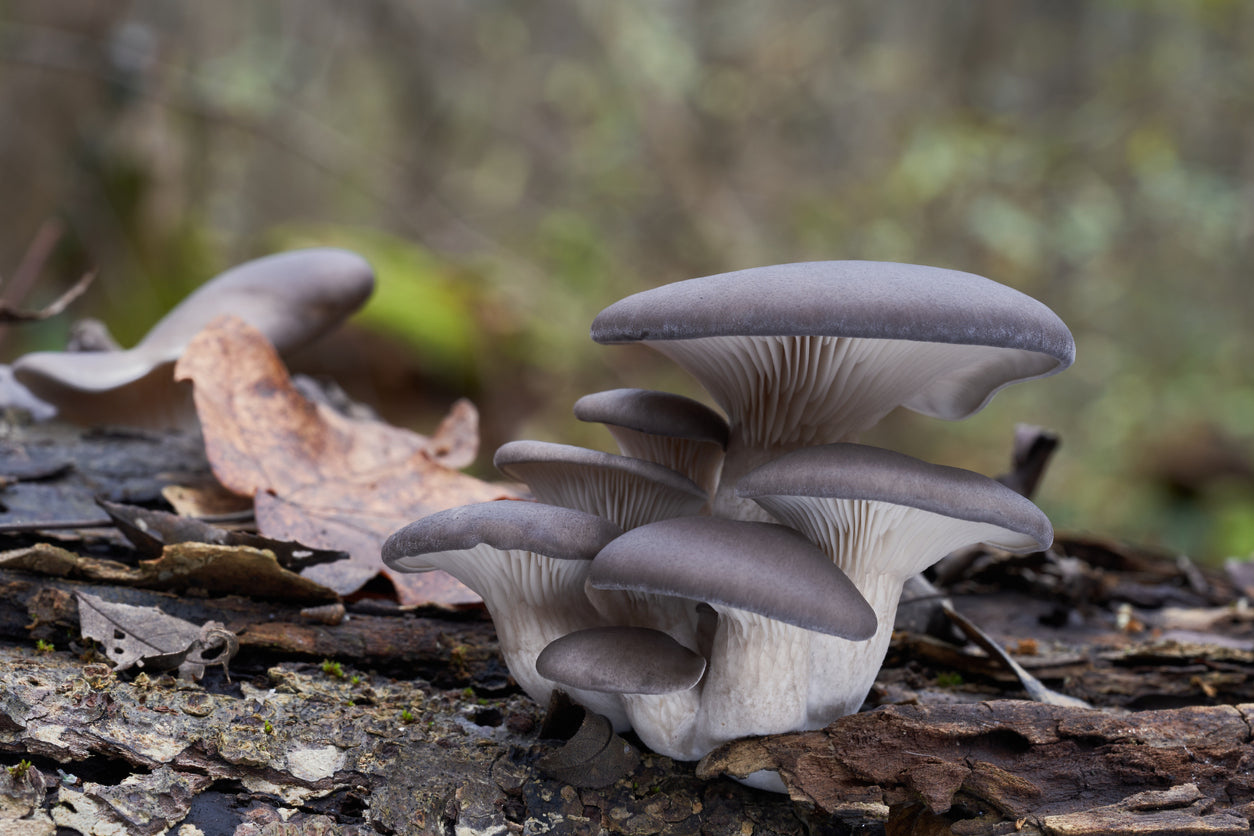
column 456, row 441
column 204, row 500
column 317, row 476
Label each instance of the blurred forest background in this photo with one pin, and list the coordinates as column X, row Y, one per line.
column 512, row 168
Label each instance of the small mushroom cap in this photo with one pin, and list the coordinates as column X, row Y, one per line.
column 656, row 413
column 621, row 660
column 861, row 472
column 627, row 490
column 873, row 299
column 763, row 568
column 516, row 458
column 507, row 525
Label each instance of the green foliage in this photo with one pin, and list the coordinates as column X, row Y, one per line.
column 427, row 303
column 18, row 771
column 508, row 177
column 332, row 669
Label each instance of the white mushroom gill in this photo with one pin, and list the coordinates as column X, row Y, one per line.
column 782, row 393
column 700, row 461
column 626, row 491
column 533, row 600
column 623, row 498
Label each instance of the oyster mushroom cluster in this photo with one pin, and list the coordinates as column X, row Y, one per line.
column 737, row 574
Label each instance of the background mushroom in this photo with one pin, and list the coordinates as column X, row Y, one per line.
column 810, row 353
column 882, row 517
column 528, row 562
column 671, row 430
column 292, row 298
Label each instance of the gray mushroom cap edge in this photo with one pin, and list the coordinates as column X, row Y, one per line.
column 506, row 525
column 762, row 568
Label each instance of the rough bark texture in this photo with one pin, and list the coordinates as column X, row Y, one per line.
column 412, row 725
column 1048, row 769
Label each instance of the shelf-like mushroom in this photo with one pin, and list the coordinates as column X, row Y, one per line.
column 772, row 589
column 291, row 297
column 671, row 430
column 811, row 353
column 529, row 563
column 628, row 491
column 883, row 516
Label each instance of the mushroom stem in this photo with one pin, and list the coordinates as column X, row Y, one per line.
column 756, row 681
column 755, row 684
column 842, row 672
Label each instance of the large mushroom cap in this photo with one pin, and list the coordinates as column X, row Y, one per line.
column 621, row 660
column 871, row 299
column 761, row 568
column 504, row 525
column 856, row 300
column 626, row 490
column 872, row 474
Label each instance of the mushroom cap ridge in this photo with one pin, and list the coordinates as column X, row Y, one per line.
column 508, row 525
column 621, row 660
column 763, row 568
column 862, row 472
column 870, row 299
column 657, row 413
column 522, row 452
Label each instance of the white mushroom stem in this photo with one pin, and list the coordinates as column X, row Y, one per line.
column 756, row 680
column 755, row 684
column 533, row 600
column 878, row 545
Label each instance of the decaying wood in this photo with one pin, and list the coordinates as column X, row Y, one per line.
column 413, row 725
column 1041, row 768
column 455, row 650
column 325, row 753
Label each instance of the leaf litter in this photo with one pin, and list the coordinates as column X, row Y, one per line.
column 146, row 637
column 321, row 478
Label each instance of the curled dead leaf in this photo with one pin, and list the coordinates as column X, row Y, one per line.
column 319, row 477
column 146, row 637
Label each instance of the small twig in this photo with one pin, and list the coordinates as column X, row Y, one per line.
column 11, row 315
